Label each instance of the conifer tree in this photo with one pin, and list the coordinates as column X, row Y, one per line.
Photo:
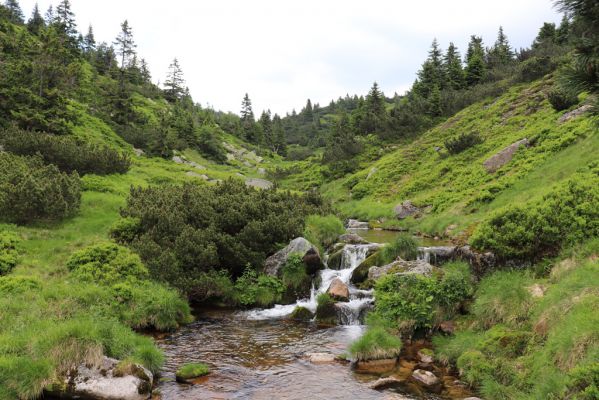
column 266, row 126
column 125, row 46
column 307, row 112
column 432, row 73
column 247, row 114
column 475, row 61
column 49, row 16
column 251, row 131
column 341, row 146
column 452, row 65
column 174, row 83
column 278, row 133
column 89, row 41
column 375, row 101
column 145, row 71
column 563, row 31
column 15, row 13
column 36, row 22
column 64, row 18
column 501, row 53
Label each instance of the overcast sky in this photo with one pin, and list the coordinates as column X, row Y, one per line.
column 284, row 52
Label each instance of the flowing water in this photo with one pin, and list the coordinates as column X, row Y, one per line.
column 258, row 354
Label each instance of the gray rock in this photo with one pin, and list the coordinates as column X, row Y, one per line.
column 355, row 224
column 138, row 152
column 406, row 209
column 574, row 113
column 320, row 358
column 196, row 175
column 437, row 255
column 301, row 246
column 425, row 378
column 261, row 171
column 401, row 267
column 178, row 160
column 195, row 165
column 105, row 382
column 480, row 262
column 338, row 290
column 259, row 183
column 385, row 383
column 498, row 160
column 352, row 238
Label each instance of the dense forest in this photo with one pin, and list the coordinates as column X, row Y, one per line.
column 127, row 208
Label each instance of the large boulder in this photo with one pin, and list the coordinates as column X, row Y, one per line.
column 401, row 267
column 321, row 358
column 106, row 381
column 352, row 238
column 335, row 260
column 437, row 255
column 498, row 160
column 259, row 183
column 355, row 224
column 360, row 274
column 406, row 209
column 301, row 246
column 338, row 290
column 480, row 262
column 574, row 113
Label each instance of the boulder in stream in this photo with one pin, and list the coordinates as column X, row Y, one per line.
column 301, row 246
column 321, row 358
column 360, row 274
column 352, row 238
column 401, row 267
column 107, row 381
column 427, row 379
column 376, row 366
column 385, row 383
column 338, row 290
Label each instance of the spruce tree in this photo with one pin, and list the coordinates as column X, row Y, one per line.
column 247, row 114
column 432, row 73
column 266, row 126
column 174, row 83
column 125, row 46
column 375, row 101
column 49, row 16
column 307, row 113
column 278, row 133
column 145, row 71
column 501, row 53
column 89, row 41
column 15, row 13
column 452, row 65
column 251, row 131
column 64, row 18
column 475, row 61
column 562, row 33
column 36, row 22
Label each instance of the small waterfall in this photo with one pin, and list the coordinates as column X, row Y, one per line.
column 349, row 312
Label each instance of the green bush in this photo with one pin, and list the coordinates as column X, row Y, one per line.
column 403, row 246
column 66, row 152
column 106, row 264
column 567, row 215
column 462, row 142
column 9, row 254
column 561, row 100
column 376, row 344
column 184, row 232
column 12, row 284
column 253, row 289
column 31, row 191
column 584, row 383
column 125, row 230
column 192, row 370
column 210, row 145
column 323, row 231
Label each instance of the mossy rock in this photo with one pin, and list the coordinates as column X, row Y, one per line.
column 335, row 260
column 360, row 274
column 326, row 312
column 188, row 372
column 301, row 314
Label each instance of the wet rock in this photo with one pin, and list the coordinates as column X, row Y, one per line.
column 321, row 358
column 406, row 209
column 480, row 262
column 352, row 238
column 401, row 267
column 385, row 383
column 425, row 356
column 301, row 314
column 437, row 255
column 259, row 183
column 376, row 366
column 360, row 274
column 106, row 381
column 355, row 224
column 427, row 379
column 574, row 113
column 335, row 260
column 498, row 160
column 301, row 246
column 338, row 290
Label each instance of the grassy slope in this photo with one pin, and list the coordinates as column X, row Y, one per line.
column 457, row 187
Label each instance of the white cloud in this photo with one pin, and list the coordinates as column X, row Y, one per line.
column 283, row 52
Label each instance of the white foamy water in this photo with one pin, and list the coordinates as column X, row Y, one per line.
column 352, row 257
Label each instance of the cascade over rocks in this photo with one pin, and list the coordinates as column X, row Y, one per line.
column 105, row 382
column 301, row 246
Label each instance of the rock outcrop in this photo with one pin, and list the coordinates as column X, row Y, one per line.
column 401, row 267
column 301, row 246
column 259, row 183
column 355, row 224
column 107, row 381
column 406, row 209
column 498, row 160
column 338, row 290
column 574, row 113
column 352, row 238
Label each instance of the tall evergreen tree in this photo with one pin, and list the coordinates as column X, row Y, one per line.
column 89, row 41
column 265, row 122
column 125, row 46
column 452, row 65
column 64, row 18
column 251, row 131
column 145, row 71
column 562, row 33
column 501, row 53
column 475, row 61
column 36, row 22
column 247, row 114
column 174, row 83
column 278, row 134
column 307, row 112
column 341, row 147
column 49, row 16
column 432, row 73
column 14, row 11
column 375, row 101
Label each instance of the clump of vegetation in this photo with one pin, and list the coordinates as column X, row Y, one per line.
column 12, row 284
column 561, row 99
column 462, row 142
column 107, row 263
column 295, row 278
column 66, row 152
column 301, row 314
column 210, row 144
column 32, row 191
column 566, row 215
column 326, row 313
column 404, row 246
column 323, row 231
column 184, row 232
column 375, row 344
column 9, row 254
column 253, row 289
column 191, row 371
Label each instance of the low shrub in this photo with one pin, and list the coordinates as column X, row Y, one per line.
column 561, row 99
column 403, row 246
column 584, row 383
column 9, row 254
column 567, row 215
column 323, row 231
column 31, row 191
column 210, row 145
column 462, row 142
column 376, row 344
column 66, row 152
column 12, row 284
column 107, row 263
column 253, row 289
column 192, row 370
